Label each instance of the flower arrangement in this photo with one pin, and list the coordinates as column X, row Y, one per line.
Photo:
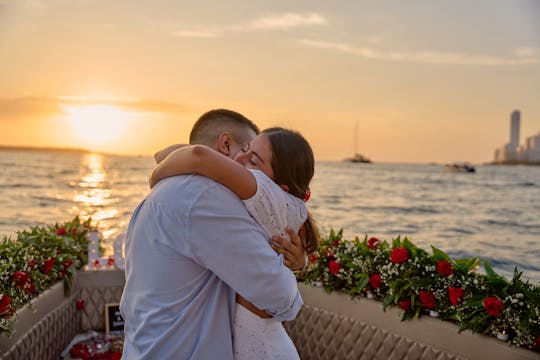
column 400, row 274
column 35, row 260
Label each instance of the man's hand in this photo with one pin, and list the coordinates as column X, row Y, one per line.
column 293, row 251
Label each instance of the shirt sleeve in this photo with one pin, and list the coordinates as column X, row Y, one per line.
column 273, row 208
column 227, row 241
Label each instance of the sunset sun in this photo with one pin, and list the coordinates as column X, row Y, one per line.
column 98, row 123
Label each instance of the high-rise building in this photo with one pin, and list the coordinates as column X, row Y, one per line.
column 512, row 152
column 514, row 128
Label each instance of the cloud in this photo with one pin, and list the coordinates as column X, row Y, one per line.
column 520, row 56
column 271, row 22
column 287, row 21
column 198, row 34
column 33, row 107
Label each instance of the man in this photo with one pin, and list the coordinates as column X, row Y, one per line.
column 190, row 246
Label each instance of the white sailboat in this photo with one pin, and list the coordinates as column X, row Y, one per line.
column 357, row 158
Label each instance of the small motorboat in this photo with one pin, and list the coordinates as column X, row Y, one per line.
column 460, row 167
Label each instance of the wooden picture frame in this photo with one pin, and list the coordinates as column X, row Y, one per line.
column 114, row 323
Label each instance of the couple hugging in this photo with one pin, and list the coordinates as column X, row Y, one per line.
column 210, row 259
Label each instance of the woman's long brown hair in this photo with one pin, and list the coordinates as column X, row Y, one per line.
column 293, row 164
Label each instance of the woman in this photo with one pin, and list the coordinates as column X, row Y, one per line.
column 271, row 175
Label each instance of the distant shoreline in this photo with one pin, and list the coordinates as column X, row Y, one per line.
column 533, row 163
column 40, row 148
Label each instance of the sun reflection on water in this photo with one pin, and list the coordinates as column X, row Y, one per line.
column 94, row 197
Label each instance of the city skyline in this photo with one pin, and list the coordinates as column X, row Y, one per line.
column 514, row 151
column 130, row 79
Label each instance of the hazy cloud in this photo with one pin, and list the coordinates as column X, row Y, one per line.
column 287, row 21
column 283, row 21
column 31, row 107
column 199, row 34
column 519, row 56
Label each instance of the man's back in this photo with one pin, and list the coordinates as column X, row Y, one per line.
column 180, row 244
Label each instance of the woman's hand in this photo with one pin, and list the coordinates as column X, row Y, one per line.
column 293, row 251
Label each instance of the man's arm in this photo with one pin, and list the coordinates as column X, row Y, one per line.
column 227, row 241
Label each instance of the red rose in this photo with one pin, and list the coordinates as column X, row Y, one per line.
column 335, row 243
column 334, row 267
column 110, row 261
column 313, row 258
column 4, row 302
column 32, row 264
column 427, row 299
column 79, row 304
column 61, row 231
column 21, row 278
column 455, row 295
column 48, row 265
column 373, row 243
column 444, row 268
column 67, row 263
column 375, row 281
column 405, row 304
column 493, row 306
column 399, row 255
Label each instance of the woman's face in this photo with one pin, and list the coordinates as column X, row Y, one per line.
column 257, row 154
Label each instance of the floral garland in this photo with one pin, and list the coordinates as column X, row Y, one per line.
column 401, row 274
column 37, row 259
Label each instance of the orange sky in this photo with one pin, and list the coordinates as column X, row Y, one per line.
column 426, row 82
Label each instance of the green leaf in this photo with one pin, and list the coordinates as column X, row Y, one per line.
column 363, row 280
column 439, row 254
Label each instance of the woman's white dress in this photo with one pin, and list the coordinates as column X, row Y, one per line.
column 273, row 209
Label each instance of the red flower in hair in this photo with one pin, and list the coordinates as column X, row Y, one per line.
column 307, row 194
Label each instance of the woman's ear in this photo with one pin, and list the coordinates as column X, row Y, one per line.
column 284, row 187
column 224, row 143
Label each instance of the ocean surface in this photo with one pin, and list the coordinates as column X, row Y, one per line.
column 493, row 214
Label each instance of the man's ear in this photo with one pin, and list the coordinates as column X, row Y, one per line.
column 224, row 143
column 284, row 187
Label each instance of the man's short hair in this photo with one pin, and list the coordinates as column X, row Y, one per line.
column 214, row 122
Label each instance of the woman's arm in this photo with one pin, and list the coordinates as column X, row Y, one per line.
column 202, row 160
column 162, row 154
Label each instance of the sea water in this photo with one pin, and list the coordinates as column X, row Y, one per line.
column 493, row 213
